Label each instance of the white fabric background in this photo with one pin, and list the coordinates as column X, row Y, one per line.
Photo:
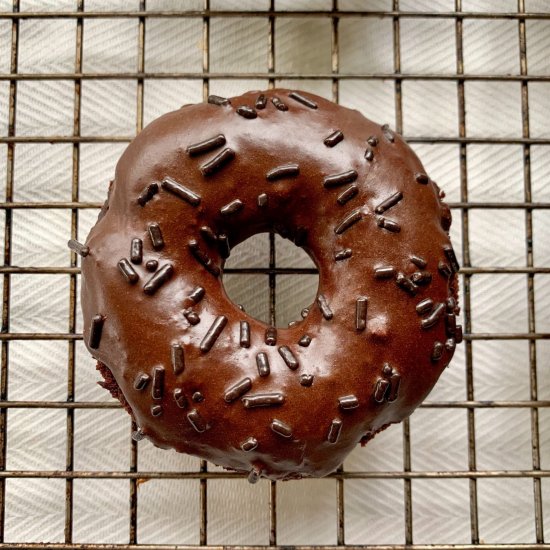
column 168, row 511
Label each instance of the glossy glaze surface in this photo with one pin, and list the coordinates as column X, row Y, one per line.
column 202, row 376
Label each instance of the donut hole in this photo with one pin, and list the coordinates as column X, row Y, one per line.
column 295, row 285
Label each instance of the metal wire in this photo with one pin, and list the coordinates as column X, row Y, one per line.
column 471, row 404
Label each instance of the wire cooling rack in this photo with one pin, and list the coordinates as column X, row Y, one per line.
column 396, row 481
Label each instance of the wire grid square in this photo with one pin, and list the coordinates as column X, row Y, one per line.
column 33, row 58
column 421, row 35
column 40, row 502
column 110, row 45
column 479, row 416
column 180, row 527
column 369, row 505
column 98, row 503
column 437, row 504
column 173, row 45
column 44, row 108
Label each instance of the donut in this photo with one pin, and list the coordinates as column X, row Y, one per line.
column 195, row 371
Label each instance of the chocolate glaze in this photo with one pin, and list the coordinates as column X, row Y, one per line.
column 308, row 434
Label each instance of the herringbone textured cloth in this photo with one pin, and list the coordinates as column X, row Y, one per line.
column 168, row 511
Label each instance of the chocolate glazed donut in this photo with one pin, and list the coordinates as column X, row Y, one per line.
column 200, row 375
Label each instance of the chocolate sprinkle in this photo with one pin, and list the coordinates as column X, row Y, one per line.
column 450, row 344
column 178, row 360
column 304, row 341
column 213, row 333
column 381, row 389
column 270, row 336
column 348, row 402
column 180, row 191
column 281, row 428
column 369, row 154
column 343, row 254
column 156, row 410
column 263, row 400
column 425, row 306
column 458, row 334
column 334, row 430
column 288, row 357
column 435, row 315
column 262, row 200
column 198, row 397
column 206, row 146
column 238, row 389
column 324, row 307
column 284, row 171
column 151, row 265
column 244, row 338
column 208, row 235
column 197, row 294
column 158, row 383
column 223, row 246
column 96, row 329
column 451, row 304
column 334, row 139
column 437, row 352
column 148, row 193
column 395, row 384
column 444, row 269
column 306, row 380
column 247, row 112
column 390, row 225
column 340, row 179
column 231, row 208
column 197, row 421
column 78, row 248
column 422, row 178
column 158, row 279
column 372, row 140
column 386, row 204
column 141, row 381
column 450, row 324
column 303, row 100
column 279, row 104
column 352, row 218
column 249, row 445
column 128, row 271
column 254, row 475
column 218, row 100
column 136, row 251
column 451, row 256
column 386, row 272
column 218, row 162
column 388, row 133
column 262, row 362
column 156, row 236
column 179, row 398
column 421, row 277
column 261, row 102
column 192, row 317
column 361, row 313
column 418, row 261
column 203, row 258
column 406, row 284
column 347, row 195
